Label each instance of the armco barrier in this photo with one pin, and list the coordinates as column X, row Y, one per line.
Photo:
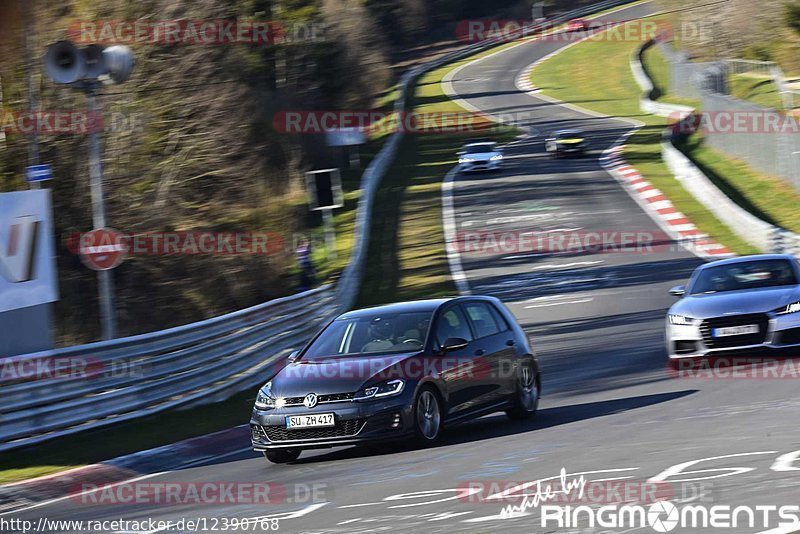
column 759, row 233
column 209, row 360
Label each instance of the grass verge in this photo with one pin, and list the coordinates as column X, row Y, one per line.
column 759, row 90
column 596, row 75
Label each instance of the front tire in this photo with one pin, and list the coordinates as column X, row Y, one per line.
column 427, row 416
column 526, row 400
column 282, row 456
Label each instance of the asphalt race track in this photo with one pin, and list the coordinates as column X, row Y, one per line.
column 610, row 408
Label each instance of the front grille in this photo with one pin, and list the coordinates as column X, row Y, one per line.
column 789, row 337
column 708, row 325
column 342, row 429
column 685, row 347
column 321, row 399
column 257, row 433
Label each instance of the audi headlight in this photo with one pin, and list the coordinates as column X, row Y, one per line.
column 264, row 399
column 497, row 157
column 386, row 389
column 681, row 320
column 794, row 307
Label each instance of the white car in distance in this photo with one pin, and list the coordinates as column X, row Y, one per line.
column 480, row 156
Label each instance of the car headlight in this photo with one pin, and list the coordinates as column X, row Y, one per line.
column 386, row 389
column 681, row 320
column 465, row 160
column 264, row 399
column 497, row 157
column 794, row 307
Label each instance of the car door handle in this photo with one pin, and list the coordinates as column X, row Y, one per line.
column 510, row 343
column 480, row 352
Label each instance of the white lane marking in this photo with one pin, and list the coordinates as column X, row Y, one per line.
column 678, row 469
column 523, row 256
column 565, row 265
column 360, row 504
column 449, row 224
column 579, row 301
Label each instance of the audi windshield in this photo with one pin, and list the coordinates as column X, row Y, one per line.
column 744, row 275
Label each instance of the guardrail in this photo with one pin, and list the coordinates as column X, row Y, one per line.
column 202, row 362
column 761, row 234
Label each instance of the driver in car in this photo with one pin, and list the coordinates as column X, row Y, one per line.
column 380, row 334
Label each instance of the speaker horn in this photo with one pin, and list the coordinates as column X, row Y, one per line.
column 95, row 63
column 64, row 62
column 118, row 60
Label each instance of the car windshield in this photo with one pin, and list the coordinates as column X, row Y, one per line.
column 479, row 149
column 569, row 135
column 372, row 334
column 744, row 275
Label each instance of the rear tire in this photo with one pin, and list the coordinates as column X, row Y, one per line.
column 526, row 400
column 282, row 456
column 427, row 416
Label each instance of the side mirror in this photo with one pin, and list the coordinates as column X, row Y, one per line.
column 293, row 356
column 454, row 343
column 678, row 291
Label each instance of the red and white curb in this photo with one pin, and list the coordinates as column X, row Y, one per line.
column 659, row 207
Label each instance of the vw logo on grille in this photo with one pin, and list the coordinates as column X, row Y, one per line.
column 310, row 400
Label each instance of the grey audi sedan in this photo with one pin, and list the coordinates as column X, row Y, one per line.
column 749, row 304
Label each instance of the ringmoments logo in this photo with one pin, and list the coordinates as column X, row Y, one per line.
column 660, row 516
column 664, row 516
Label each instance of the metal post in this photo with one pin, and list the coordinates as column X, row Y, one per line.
column 105, row 281
column 330, row 233
column 33, row 141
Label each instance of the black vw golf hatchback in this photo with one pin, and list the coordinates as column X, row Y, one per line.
column 397, row 371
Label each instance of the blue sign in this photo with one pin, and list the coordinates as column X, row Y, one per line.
column 38, row 173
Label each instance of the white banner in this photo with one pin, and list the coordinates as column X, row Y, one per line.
column 27, row 254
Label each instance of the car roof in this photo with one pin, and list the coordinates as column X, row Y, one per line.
column 427, row 305
column 745, row 259
column 479, row 143
column 397, row 307
column 570, row 131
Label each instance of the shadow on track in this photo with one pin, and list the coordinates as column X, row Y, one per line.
column 495, row 426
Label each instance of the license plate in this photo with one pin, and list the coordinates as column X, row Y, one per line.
column 735, row 330
column 308, row 421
